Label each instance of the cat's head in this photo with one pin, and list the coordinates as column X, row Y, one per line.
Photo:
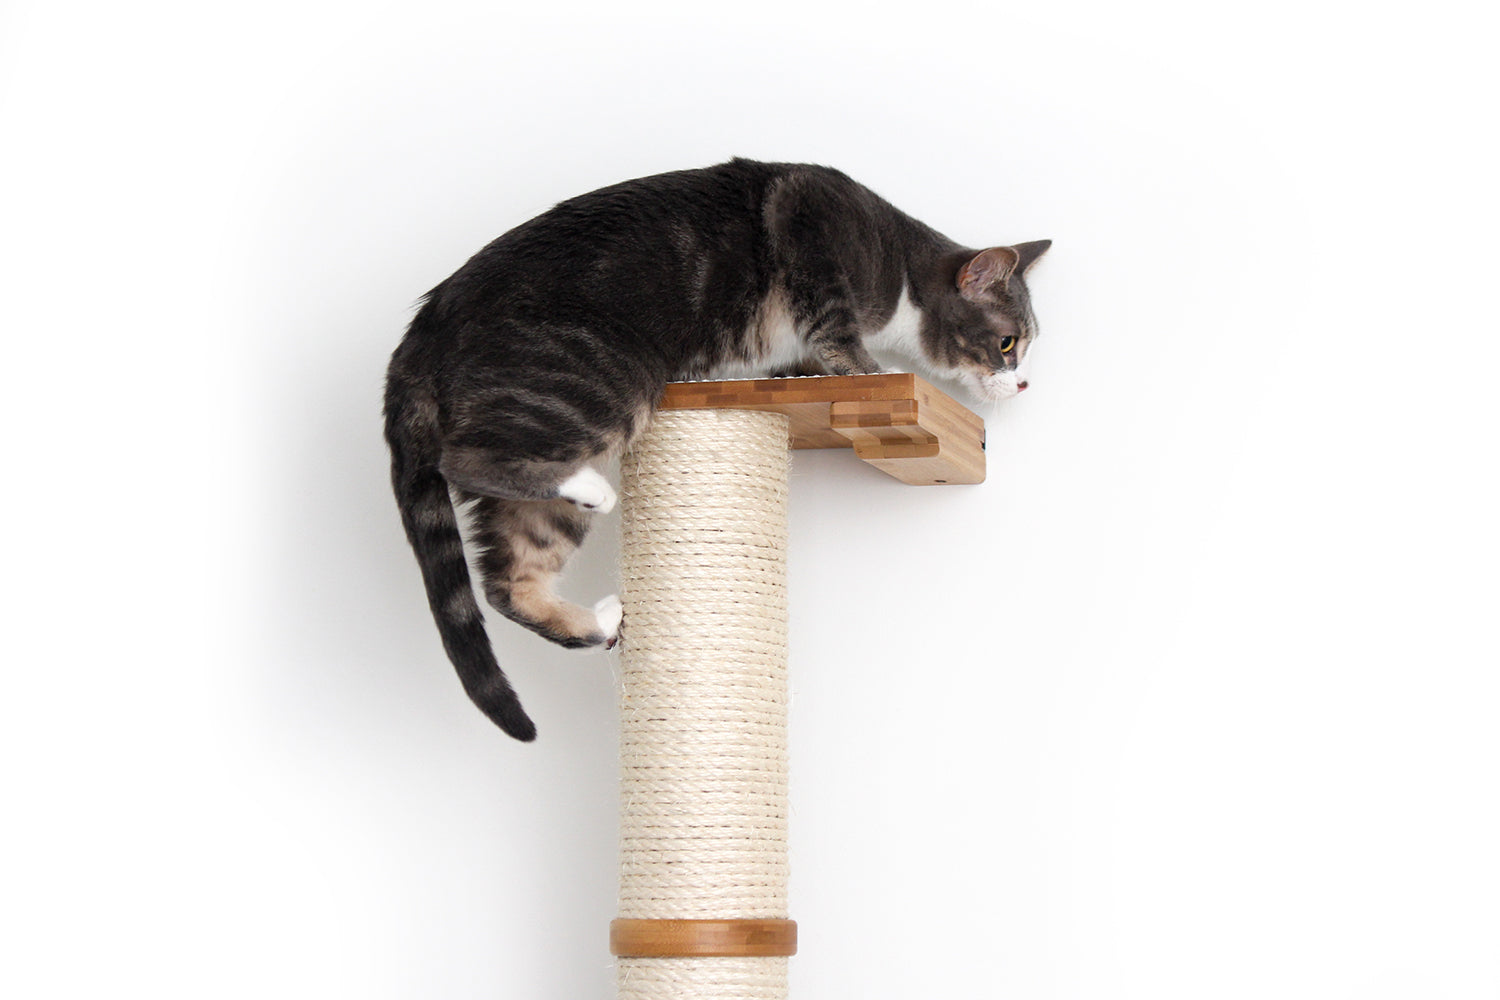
column 979, row 324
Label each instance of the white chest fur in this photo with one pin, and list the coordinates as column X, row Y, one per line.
column 901, row 337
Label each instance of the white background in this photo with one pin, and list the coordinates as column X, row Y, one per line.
column 1196, row 697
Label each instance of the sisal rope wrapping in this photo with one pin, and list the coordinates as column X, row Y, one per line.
column 703, row 702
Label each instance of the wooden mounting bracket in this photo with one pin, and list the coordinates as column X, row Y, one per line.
column 896, row 421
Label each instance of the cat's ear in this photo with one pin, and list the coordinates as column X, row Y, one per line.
column 988, row 269
column 1029, row 252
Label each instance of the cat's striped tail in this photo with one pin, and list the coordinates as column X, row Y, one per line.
column 411, row 430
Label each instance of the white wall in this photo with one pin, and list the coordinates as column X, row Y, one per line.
column 1196, row 697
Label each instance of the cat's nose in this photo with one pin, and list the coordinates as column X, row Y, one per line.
column 1021, row 386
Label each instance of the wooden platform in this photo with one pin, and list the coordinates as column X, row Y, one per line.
column 897, row 422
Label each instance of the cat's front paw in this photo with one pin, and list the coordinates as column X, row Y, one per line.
column 609, row 613
column 588, row 490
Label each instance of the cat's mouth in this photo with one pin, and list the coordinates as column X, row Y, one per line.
column 999, row 385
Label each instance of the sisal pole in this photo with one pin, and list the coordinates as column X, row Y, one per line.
column 703, row 706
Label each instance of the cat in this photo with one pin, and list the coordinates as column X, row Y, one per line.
column 546, row 352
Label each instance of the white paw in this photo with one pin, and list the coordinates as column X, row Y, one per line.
column 588, row 490
column 609, row 612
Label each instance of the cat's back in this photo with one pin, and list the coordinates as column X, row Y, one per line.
column 705, row 198
column 633, row 231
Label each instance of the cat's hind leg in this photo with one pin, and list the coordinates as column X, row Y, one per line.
column 525, row 545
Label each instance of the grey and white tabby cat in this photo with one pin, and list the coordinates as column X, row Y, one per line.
column 545, row 354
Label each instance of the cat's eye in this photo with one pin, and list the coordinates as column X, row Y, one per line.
column 1007, row 344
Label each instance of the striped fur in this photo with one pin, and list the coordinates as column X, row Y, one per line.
column 547, row 351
